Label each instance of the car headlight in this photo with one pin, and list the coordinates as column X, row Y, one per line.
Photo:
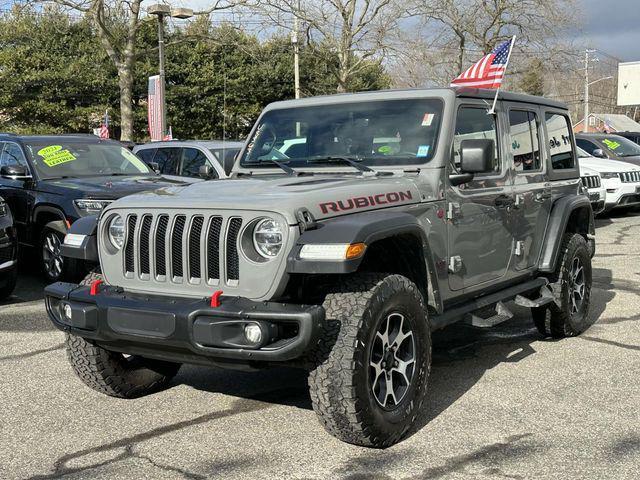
column 608, row 175
column 115, row 230
column 267, row 238
column 89, row 207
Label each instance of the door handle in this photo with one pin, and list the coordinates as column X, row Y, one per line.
column 503, row 201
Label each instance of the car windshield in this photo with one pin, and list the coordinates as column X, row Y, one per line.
column 389, row 132
column 621, row 146
column 64, row 158
column 582, row 153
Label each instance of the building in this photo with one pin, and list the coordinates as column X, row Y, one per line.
column 608, row 122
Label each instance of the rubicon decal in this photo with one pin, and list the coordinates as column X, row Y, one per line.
column 368, row 201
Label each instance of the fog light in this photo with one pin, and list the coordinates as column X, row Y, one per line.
column 253, row 332
column 66, row 310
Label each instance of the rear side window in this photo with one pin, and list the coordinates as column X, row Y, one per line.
column 560, row 147
column 525, row 140
column 474, row 124
column 146, row 154
column 168, row 160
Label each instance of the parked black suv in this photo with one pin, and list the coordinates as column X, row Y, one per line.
column 49, row 182
column 8, row 252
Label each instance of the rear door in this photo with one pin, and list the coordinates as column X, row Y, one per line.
column 168, row 160
column 478, row 228
column 532, row 191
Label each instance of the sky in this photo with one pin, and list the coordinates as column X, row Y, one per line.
column 612, row 26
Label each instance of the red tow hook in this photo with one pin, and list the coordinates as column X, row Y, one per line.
column 215, row 299
column 94, row 287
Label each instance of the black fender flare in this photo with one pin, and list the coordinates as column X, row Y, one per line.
column 367, row 228
column 88, row 248
column 561, row 212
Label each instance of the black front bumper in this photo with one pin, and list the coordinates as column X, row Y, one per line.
column 184, row 330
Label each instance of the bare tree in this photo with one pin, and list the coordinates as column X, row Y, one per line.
column 117, row 23
column 356, row 30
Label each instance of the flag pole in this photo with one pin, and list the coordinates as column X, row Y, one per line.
column 506, row 65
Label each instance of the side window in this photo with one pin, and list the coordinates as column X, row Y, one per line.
column 560, row 148
column 473, row 123
column 12, row 156
column 586, row 145
column 168, row 160
column 525, row 140
column 146, row 154
column 192, row 160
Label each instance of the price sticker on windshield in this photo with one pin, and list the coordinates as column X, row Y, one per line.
column 427, row 120
column 612, row 144
column 54, row 155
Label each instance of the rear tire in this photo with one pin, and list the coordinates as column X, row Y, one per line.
column 112, row 373
column 369, row 382
column 572, row 287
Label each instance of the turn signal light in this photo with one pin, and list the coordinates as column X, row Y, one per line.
column 355, row 250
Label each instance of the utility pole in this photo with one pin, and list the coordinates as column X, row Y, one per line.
column 296, row 56
column 585, row 122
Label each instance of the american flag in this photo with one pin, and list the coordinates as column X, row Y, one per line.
column 104, row 127
column 154, row 108
column 488, row 72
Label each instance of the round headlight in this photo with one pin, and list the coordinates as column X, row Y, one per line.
column 116, row 232
column 267, row 238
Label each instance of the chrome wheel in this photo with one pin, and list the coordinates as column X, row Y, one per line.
column 577, row 285
column 392, row 362
column 51, row 255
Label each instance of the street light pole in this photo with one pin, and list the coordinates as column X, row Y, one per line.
column 585, row 122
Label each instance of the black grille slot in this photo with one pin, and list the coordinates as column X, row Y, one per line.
column 233, row 262
column 213, row 249
column 129, row 250
column 161, row 232
column 591, row 181
column 176, row 246
column 629, row 177
column 194, row 247
column 145, row 230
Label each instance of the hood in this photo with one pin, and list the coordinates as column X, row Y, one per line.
column 107, row 187
column 323, row 195
column 586, row 171
column 605, row 165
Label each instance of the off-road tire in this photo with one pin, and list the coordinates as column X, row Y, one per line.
column 339, row 385
column 558, row 321
column 10, row 283
column 112, row 373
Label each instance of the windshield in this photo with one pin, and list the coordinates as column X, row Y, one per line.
column 389, row 132
column 621, row 146
column 582, row 153
column 80, row 159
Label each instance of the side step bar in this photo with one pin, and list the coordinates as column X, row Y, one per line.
column 456, row 313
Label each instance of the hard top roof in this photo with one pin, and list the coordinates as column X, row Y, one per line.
column 77, row 138
column 416, row 93
column 200, row 143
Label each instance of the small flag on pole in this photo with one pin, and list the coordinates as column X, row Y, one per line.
column 169, row 135
column 154, row 109
column 104, row 127
column 488, row 71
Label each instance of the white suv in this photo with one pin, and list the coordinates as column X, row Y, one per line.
column 620, row 179
column 593, row 183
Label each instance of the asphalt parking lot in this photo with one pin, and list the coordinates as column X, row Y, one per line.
column 503, row 403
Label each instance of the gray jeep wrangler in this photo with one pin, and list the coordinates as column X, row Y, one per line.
column 353, row 227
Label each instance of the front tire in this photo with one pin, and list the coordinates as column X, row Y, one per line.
column 53, row 265
column 373, row 361
column 572, row 286
column 113, row 373
column 9, row 283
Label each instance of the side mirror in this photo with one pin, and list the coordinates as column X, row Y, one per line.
column 154, row 166
column 476, row 156
column 205, row 171
column 15, row 172
column 598, row 152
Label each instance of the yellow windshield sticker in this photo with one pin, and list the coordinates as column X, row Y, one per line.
column 54, row 155
column 611, row 144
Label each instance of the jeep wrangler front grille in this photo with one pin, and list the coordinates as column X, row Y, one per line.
column 591, row 181
column 182, row 248
column 630, row 177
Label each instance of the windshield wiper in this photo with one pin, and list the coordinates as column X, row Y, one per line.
column 354, row 162
column 288, row 170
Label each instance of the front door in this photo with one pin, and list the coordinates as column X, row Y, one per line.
column 479, row 235
column 16, row 192
column 532, row 193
